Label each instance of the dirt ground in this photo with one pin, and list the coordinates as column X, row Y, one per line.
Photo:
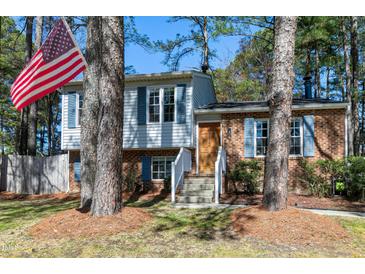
column 72, row 223
column 4, row 195
column 302, row 201
column 291, row 226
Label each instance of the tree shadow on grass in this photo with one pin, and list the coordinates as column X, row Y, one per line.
column 134, row 200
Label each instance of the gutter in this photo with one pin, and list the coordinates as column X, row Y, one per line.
column 312, row 106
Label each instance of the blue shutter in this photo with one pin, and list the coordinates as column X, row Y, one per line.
column 181, row 103
column 146, row 168
column 308, row 136
column 77, row 171
column 142, row 111
column 249, row 136
column 72, row 110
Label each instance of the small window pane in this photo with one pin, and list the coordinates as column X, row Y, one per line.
column 295, row 138
column 261, row 137
column 169, row 104
column 154, row 105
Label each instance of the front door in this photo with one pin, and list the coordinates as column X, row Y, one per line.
column 209, row 142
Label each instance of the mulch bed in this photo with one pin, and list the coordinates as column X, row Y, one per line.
column 4, row 195
column 72, row 224
column 289, row 227
column 335, row 203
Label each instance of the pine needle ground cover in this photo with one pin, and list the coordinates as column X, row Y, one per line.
column 27, row 229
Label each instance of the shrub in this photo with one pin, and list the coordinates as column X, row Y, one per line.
column 130, row 180
column 333, row 171
column 167, row 184
column 317, row 184
column 356, row 175
column 247, row 173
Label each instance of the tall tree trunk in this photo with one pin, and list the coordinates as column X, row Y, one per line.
column 205, row 66
column 308, row 63
column 355, row 84
column 107, row 198
column 32, row 128
column 23, row 133
column 280, row 102
column 348, row 88
column 89, row 119
column 328, row 82
column 362, row 117
column 317, row 74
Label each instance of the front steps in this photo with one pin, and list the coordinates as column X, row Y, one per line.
column 197, row 190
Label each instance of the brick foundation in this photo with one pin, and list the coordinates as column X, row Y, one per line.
column 329, row 139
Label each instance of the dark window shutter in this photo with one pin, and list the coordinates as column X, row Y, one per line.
column 308, row 136
column 77, row 171
column 142, row 107
column 146, row 168
column 72, row 110
column 181, row 103
column 249, row 136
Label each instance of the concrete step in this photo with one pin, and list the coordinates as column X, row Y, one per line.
column 196, row 187
column 198, row 180
column 199, row 192
column 194, row 199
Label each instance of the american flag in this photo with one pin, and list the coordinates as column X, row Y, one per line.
column 56, row 63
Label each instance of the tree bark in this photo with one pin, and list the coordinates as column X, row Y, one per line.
column 89, row 119
column 33, row 109
column 23, row 132
column 317, row 74
column 205, row 66
column 107, row 198
column 348, row 88
column 355, row 84
column 280, row 102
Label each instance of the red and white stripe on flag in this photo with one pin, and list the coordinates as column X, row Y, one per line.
column 56, row 63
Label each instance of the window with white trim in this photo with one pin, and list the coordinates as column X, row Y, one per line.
column 161, row 167
column 154, row 105
column 169, row 104
column 261, row 137
column 296, row 137
column 79, row 106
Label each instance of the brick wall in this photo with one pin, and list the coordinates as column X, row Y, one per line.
column 329, row 139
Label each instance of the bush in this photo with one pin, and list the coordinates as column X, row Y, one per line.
column 356, row 175
column 167, row 184
column 317, row 184
column 247, row 173
column 333, row 171
column 130, row 180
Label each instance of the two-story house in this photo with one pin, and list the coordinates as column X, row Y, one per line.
column 173, row 127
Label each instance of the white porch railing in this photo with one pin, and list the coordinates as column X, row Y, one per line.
column 178, row 168
column 220, row 169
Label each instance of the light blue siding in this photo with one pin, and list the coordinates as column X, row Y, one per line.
column 308, row 136
column 249, row 135
column 77, row 171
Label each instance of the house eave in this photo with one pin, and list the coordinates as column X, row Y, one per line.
column 312, row 106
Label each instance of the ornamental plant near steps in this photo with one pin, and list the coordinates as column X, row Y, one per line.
column 355, row 170
column 247, row 173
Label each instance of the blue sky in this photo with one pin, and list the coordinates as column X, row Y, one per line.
column 157, row 28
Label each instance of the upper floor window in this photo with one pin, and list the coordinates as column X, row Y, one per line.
column 79, row 106
column 169, row 104
column 161, row 103
column 154, row 105
column 262, row 137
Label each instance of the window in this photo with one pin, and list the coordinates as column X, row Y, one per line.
column 262, row 134
column 154, row 105
column 161, row 167
column 80, row 105
column 295, row 137
column 169, row 104
column 161, row 103
column 262, row 137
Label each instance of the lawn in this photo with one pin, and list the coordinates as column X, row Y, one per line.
column 171, row 233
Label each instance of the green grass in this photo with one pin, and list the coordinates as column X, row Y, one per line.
column 172, row 233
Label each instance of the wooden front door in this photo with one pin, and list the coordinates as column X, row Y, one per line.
column 209, row 141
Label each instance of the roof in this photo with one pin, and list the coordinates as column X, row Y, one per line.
column 130, row 78
column 263, row 106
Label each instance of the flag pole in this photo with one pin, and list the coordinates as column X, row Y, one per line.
column 74, row 40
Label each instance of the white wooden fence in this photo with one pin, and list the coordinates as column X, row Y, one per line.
column 34, row 175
